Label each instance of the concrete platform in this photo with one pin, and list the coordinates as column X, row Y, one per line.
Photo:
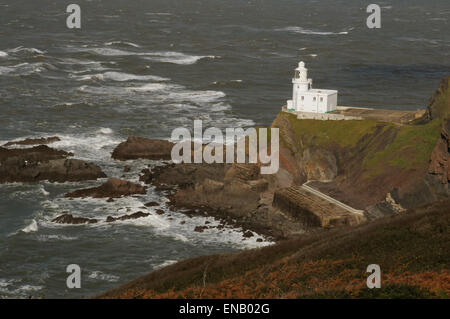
column 312, row 209
column 395, row 116
column 360, row 113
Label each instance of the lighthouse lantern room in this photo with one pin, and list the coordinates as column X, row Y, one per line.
column 307, row 99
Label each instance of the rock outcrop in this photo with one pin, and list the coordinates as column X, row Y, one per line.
column 44, row 163
column 35, row 141
column 113, row 188
column 139, row 147
column 440, row 157
column 69, row 219
column 136, row 215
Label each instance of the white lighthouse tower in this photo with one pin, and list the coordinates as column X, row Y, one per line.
column 307, row 99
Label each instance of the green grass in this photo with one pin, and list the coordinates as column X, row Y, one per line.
column 324, row 133
column 410, row 149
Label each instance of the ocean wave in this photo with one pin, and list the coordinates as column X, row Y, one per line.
column 119, row 77
column 301, row 30
column 26, row 68
column 5, row 70
column 102, row 276
column 131, row 44
column 21, row 49
column 32, row 227
column 3, row 54
column 176, row 57
column 89, row 146
column 46, row 238
column 165, row 263
column 43, row 191
column 158, row 56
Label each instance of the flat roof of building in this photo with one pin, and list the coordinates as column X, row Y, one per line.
column 322, row 91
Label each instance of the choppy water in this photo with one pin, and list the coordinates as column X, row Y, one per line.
column 145, row 67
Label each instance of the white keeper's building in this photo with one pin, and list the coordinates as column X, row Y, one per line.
column 307, row 99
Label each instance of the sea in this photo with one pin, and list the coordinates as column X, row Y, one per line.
column 146, row 67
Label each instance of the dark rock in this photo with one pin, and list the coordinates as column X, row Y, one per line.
column 35, row 141
column 259, row 240
column 44, row 163
column 248, row 234
column 159, row 211
column 110, row 200
column 140, row 147
column 113, row 188
column 126, row 168
column 151, row 204
column 200, row 229
column 69, row 219
column 136, row 215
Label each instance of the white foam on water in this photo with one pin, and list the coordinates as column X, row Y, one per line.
column 3, row 54
column 158, row 13
column 43, row 191
column 176, row 57
column 32, row 227
column 98, row 275
column 155, row 87
column 123, row 42
column 296, row 29
column 110, row 52
column 164, row 264
column 46, row 238
column 119, row 77
column 105, row 130
column 27, row 50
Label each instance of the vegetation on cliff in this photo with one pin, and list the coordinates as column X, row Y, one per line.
column 368, row 159
column 411, row 249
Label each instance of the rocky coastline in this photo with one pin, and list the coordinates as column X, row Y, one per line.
column 239, row 196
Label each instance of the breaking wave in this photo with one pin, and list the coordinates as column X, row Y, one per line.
column 301, row 30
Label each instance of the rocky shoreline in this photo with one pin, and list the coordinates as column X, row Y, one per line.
column 239, row 196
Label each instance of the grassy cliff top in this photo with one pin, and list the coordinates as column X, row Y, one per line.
column 378, row 143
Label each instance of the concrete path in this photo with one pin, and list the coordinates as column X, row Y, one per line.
column 331, row 199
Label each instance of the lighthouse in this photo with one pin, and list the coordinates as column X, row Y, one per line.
column 307, row 99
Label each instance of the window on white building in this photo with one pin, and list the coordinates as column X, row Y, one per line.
column 303, row 98
column 321, row 99
column 314, row 99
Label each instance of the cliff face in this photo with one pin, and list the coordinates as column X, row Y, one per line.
column 379, row 166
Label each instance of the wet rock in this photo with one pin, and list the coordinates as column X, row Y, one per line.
column 159, row 211
column 126, row 168
column 113, row 188
column 44, row 163
column 69, row 219
column 140, row 147
column 200, row 229
column 136, row 215
column 110, row 200
column 248, row 234
column 151, row 204
column 35, row 141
